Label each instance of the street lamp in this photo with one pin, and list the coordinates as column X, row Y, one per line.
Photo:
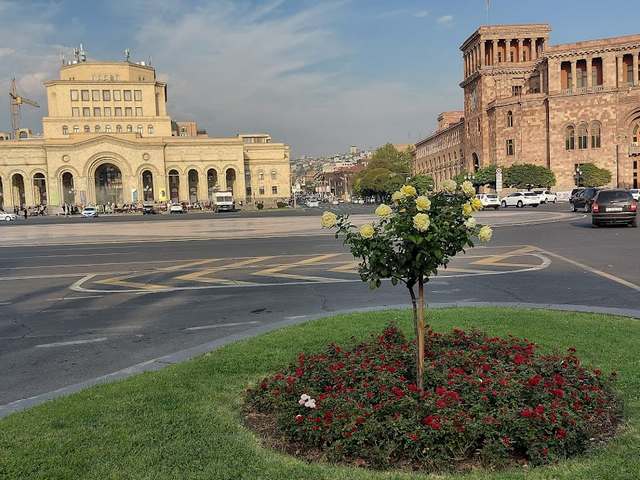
column 578, row 176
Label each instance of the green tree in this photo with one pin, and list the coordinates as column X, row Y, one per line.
column 593, row 176
column 414, row 238
column 528, row 176
column 485, row 177
column 422, row 183
column 386, row 172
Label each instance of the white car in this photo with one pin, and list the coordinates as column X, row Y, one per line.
column 635, row 193
column 176, row 208
column 8, row 217
column 489, row 200
column 546, row 196
column 520, row 200
column 313, row 203
column 89, row 212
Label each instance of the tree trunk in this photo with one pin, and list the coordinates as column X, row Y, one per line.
column 420, row 335
column 414, row 304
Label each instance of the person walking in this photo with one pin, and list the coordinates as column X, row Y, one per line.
column 25, row 213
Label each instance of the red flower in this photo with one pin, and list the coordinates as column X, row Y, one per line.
column 535, row 380
column 299, row 419
column 412, row 436
column 561, row 433
column 441, row 403
column 299, row 372
column 506, row 441
column 432, row 421
column 539, row 410
column 519, row 359
column 558, row 379
column 398, row 392
column 558, row 392
column 485, row 367
column 441, row 390
column 527, row 413
column 413, row 387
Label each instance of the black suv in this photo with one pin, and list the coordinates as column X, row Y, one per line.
column 574, row 194
column 584, row 199
column 614, row 207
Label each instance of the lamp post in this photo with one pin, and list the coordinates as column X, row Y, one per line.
column 578, row 176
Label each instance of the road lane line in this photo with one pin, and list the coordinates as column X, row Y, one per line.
column 71, row 343
column 201, row 275
column 73, row 298
column 220, row 325
column 276, row 272
column 595, row 271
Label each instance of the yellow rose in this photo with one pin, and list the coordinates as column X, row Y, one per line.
column 423, row 203
column 367, row 231
column 468, row 188
column 421, row 222
column 329, row 220
column 398, row 197
column 470, row 223
column 467, row 209
column 408, row 191
column 449, row 186
column 476, row 203
column 384, row 211
column 485, row 234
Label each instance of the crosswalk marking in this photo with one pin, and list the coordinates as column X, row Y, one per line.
column 277, row 271
column 202, row 275
column 121, row 281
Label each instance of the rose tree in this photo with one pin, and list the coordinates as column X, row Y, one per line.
column 414, row 237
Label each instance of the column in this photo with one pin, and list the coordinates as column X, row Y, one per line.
column 620, row 68
column 494, row 52
column 203, row 188
column 183, row 188
column 635, row 68
column 589, row 61
column 520, row 45
column 507, row 50
column 483, row 59
column 574, row 77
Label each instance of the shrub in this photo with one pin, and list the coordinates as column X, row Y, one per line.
column 259, row 205
column 486, row 400
column 281, row 204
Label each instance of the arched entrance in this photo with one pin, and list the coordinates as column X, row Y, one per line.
column 193, row 186
column 17, row 187
column 174, row 186
column 212, row 182
column 108, row 184
column 231, row 180
column 476, row 162
column 40, row 189
column 68, row 192
column 147, row 186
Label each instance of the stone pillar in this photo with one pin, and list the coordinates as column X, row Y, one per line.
column 507, row 50
column 635, row 68
column 574, row 76
column 589, row 61
column 621, row 79
column 203, row 188
column 494, row 52
column 520, row 45
column 183, row 188
column 483, row 60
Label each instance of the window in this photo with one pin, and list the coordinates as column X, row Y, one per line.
column 140, row 129
column 248, row 191
column 65, row 130
column 87, row 129
column 261, row 175
column 510, row 147
column 516, row 90
column 261, row 190
column 74, row 96
column 137, row 95
column 106, row 95
column 75, row 112
column 138, row 111
column 118, row 128
column 569, row 138
column 86, row 112
column 128, row 112
column 595, row 135
column 129, row 129
column 127, row 95
column 107, row 111
column 274, row 190
column 118, row 111
column 509, row 119
column 95, row 95
column 274, row 174
column 107, row 129
column 97, row 128
column 85, row 95
column 117, row 96
column 582, row 136
column 96, row 112
column 76, row 129
column 150, row 129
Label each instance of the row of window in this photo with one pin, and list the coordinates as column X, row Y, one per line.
column 583, row 136
column 274, row 190
column 274, row 175
column 107, row 129
column 106, row 95
column 107, row 111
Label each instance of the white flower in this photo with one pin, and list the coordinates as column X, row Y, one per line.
column 449, row 186
column 421, row 222
column 471, row 223
column 384, row 211
column 468, row 188
column 423, row 203
column 329, row 219
column 304, row 398
column 485, row 234
column 311, row 403
column 367, row 231
column 398, row 196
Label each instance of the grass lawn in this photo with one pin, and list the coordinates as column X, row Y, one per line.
column 184, row 422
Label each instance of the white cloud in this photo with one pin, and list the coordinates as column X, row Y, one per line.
column 445, row 20
column 421, row 14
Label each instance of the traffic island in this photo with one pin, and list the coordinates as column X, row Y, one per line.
column 187, row 421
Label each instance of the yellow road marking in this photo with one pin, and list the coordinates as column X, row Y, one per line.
column 348, row 267
column 496, row 260
column 183, row 266
column 201, row 275
column 120, row 281
column 277, row 271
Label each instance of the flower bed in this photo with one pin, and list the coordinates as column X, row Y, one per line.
column 486, row 401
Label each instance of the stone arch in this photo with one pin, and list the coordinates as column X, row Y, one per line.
column 231, row 179
column 213, row 179
column 173, row 182
column 40, row 185
column 18, row 188
column 475, row 162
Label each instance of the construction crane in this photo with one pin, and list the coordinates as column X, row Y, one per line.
column 16, row 104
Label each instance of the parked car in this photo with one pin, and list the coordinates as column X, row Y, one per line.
column 546, row 196
column 313, row 203
column 520, row 200
column 149, row 209
column 574, row 194
column 635, row 192
column 584, row 199
column 489, row 200
column 8, row 217
column 89, row 212
column 176, row 208
column 614, row 207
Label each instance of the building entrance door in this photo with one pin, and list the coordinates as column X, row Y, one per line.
column 108, row 184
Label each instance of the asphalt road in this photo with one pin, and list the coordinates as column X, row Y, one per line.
column 69, row 313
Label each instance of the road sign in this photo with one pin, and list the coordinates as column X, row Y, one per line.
column 498, row 179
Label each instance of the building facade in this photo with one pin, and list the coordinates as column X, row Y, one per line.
column 441, row 154
column 558, row 106
column 108, row 138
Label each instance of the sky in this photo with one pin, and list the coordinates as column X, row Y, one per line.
column 319, row 75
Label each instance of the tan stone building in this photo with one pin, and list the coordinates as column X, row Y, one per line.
column 441, row 154
column 559, row 106
column 108, row 138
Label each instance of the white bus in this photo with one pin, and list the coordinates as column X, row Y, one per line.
column 224, row 202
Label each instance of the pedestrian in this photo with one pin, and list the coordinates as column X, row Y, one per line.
column 25, row 213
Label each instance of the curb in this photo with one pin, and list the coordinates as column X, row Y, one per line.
column 189, row 353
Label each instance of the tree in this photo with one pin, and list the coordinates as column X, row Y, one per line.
column 422, row 183
column 414, row 237
column 592, row 176
column 528, row 176
column 386, row 172
column 485, row 177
